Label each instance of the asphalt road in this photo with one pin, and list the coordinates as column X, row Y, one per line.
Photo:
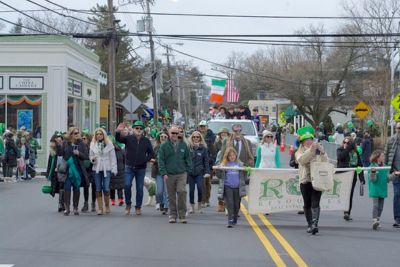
column 32, row 233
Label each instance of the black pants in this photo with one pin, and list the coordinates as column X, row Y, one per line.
column 311, row 197
column 86, row 193
column 119, row 193
column 232, row 202
column 8, row 171
column 353, row 185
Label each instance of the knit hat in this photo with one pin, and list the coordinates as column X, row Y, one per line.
column 223, row 130
column 266, row 133
column 306, row 132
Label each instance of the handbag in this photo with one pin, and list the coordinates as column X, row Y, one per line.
column 21, row 165
column 322, row 176
column 61, row 165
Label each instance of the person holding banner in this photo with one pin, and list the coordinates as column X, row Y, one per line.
column 309, row 152
column 268, row 152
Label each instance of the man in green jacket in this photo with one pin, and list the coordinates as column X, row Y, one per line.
column 174, row 163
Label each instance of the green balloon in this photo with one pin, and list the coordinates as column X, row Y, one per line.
column 350, row 125
column 370, row 123
column 330, row 139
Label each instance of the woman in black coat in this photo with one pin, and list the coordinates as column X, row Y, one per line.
column 86, row 139
column 117, row 181
column 11, row 154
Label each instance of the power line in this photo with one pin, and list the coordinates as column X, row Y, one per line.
column 333, row 35
column 61, row 14
column 33, row 18
column 88, row 12
column 22, row 26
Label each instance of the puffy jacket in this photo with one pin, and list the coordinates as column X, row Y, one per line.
column 105, row 157
column 242, row 182
column 117, row 181
column 11, row 153
column 137, row 151
column 200, row 161
column 210, row 137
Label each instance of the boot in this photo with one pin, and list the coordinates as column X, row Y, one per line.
column 315, row 219
column 93, row 207
column 99, row 197
column 221, row 206
column 199, row 208
column 75, row 202
column 308, row 214
column 67, row 200
column 61, row 201
column 107, row 201
column 191, row 209
column 120, row 202
column 85, row 207
column 127, row 210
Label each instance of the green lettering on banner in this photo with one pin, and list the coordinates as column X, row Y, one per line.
column 271, row 188
column 292, row 186
column 335, row 189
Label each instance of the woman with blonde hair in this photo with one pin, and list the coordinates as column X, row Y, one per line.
column 200, row 168
column 268, row 152
column 74, row 152
column 102, row 155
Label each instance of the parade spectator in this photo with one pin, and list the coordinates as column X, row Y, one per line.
column 240, row 144
column 231, row 114
column 138, row 151
column 309, row 152
column 256, row 119
column 367, row 146
column 161, row 185
column 278, row 135
column 24, row 152
column 378, row 186
column 268, row 152
column 102, row 156
column 221, row 115
column 117, row 181
column 86, row 139
column 209, row 138
column 392, row 158
column 174, row 163
column 232, row 185
column 11, row 154
column 74, row 152
column 200, row 169
column 51, row 175
column 222, row 135
column 338, row 136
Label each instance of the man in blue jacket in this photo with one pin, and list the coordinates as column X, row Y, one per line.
column 138, row 151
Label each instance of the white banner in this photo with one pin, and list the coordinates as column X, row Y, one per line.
column 276, row 191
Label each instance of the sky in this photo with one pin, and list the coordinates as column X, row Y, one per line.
column 217, row 52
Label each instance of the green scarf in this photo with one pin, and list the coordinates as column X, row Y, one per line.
column 51, row 167
column 73, row 173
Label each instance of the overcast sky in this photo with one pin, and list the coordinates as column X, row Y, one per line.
column 217, row 52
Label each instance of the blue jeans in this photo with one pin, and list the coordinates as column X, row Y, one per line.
column 161, row 195
column 131, row 173
column 68, row 184
column 102, row 182
column 396, row 199
column 195, row 181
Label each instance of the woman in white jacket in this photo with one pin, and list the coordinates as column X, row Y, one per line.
column 102, row 156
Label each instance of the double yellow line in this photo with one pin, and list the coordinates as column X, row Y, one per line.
column 267, row 244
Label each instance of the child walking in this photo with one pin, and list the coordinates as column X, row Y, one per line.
column 232, row 185
column 377, row 183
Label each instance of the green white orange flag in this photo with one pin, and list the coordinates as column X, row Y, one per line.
column 217, row 91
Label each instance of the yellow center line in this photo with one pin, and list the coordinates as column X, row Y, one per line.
column 290, row 250
column 264, row 240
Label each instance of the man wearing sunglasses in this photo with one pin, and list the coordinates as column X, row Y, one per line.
column 392, row 158
column 138, row 151
column 174, row 163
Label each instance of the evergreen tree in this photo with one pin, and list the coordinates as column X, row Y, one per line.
column 17, row 28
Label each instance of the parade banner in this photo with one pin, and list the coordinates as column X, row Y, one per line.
column 279, row 190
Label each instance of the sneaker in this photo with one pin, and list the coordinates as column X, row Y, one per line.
column 396, row 225
column 172, row 219
column 158, row 206
column 120, row 202
column 347, row 217
column 165, row 211
column 183, row 220
column 230, row 224
column 113, row 202
column 375, row 224
column 235, row 220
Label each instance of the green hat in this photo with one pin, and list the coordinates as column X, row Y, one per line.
column 306, row 132
column 138, row 123
column 46, row 189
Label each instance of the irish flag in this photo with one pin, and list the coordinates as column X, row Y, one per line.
column 217, row 91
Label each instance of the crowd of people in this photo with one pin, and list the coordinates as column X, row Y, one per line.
column 105, row 166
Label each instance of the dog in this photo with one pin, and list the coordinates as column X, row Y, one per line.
column 150, row 185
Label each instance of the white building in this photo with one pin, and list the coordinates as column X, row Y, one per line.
column 47, row 84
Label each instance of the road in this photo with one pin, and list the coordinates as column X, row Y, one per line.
column 32, row 233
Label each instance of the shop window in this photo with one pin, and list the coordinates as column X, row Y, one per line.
column 2, row 109
column 86, row 116
column 24, row 111
column 74, row 112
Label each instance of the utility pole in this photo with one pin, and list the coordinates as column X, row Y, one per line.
column 153, row 66
column 112, row 122
column 170, row 81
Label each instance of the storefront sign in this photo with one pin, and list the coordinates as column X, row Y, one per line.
column 278, row 191
column 26, row 83
column 77, row 87
column 1, row 82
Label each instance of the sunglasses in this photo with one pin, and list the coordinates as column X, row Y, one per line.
column 269, row 136
column 163, row 136
column 345, row 142
column 196, row 137
column 174, row 133
column 75, row 133
column 99, row 133
column 138, row 128
column 237, row 131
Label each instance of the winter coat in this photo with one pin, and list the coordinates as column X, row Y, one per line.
column 343, row 157
column 210, row 137
column 379, row 187
column 137, row 151
column 304, row 157
column 117, row 181
column 51, row 174
column 242, row 183
column 367, row 146
column 390, row 151
column 11, row 153
column 200, row 161
column 246, row 155
column 171, row 161
column 104, row 155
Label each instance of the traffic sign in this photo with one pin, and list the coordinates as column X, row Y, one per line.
column 396, row 117
column 131, row 103
column 396, row 102
column 361, row 110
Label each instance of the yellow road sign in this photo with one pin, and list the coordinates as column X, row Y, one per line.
column 396, row 117
column 361, row 110
column 396, row 102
